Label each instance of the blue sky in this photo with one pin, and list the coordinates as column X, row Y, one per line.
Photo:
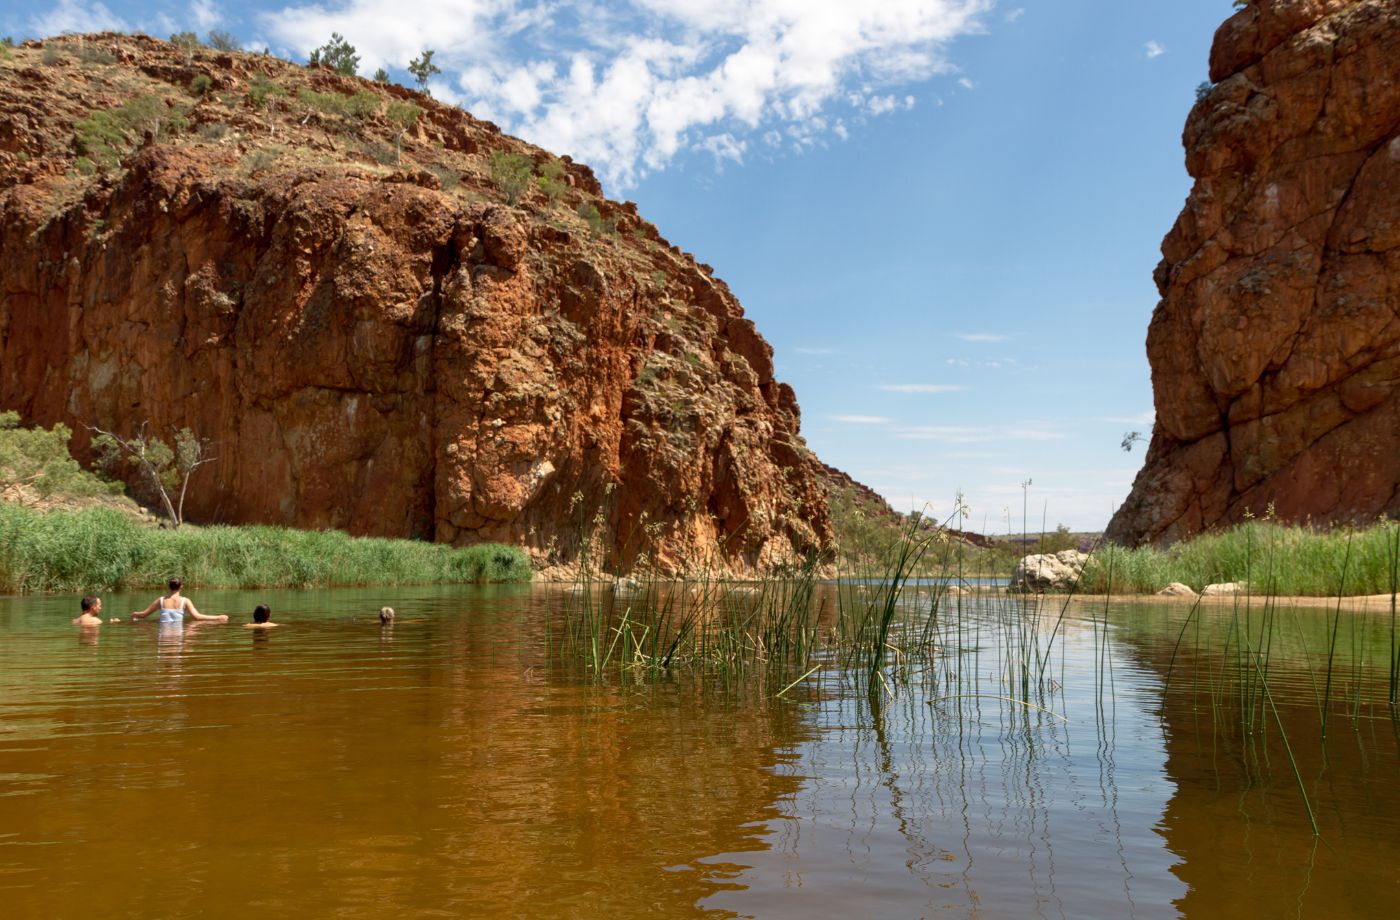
column 943, row 214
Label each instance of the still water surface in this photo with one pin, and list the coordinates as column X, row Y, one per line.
column 445, row 768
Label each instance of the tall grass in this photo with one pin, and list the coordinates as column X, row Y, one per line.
column 1304, row 561
column 101, row 549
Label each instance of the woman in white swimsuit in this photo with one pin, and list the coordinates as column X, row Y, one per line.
column 174, row 606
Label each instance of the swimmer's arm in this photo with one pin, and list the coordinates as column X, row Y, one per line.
column 189, row 605
column 147, row 612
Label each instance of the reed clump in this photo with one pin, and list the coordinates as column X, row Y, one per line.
column 1292, row 560
column 101, row 549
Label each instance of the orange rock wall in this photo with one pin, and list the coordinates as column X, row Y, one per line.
column 1275, row 350
column 370, row 353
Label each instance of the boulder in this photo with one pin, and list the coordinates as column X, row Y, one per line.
column 1177, row 589
column 1048, row 571
column 1224, row 589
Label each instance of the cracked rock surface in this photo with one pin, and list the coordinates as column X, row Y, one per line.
column 1275, row 349
column 371, row 333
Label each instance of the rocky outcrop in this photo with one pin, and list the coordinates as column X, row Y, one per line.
column 1048, row 572
column 396, row 345
column 1275, row 350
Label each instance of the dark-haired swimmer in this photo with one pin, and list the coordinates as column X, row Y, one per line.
column 91, row 612
column 262, row 618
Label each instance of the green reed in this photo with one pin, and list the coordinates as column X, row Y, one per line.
column 101, row 549
column 1303, row 565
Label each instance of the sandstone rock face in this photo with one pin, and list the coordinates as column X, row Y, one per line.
column 1275, row 350
column 393, row 348
column 1048, row 571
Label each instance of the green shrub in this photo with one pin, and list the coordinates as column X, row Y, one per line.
column 510, row 172
column 201, row 85
column 261, row 89
column 101, row 549
column 448, row 176
column 597, row 224
column 187, row 42
column 362, row 106
column 91, row 55
column 35, row 462
column 223, row 41
column 51, row 55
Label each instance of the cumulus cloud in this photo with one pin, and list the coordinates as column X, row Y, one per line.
column 975, row 435
column 861, row 419
column 1154, row 49
column 627, row 86
column 920, row 388
column 70, row 16
column 205, row 14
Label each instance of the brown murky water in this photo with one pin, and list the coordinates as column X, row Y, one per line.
column 444, row 768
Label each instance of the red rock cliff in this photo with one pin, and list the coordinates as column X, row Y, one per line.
column 1275, row 350
column 384, row 345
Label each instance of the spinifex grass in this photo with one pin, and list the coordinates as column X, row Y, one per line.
column 102, row 550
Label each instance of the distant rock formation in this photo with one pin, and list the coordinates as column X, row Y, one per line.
column 396, row 345
column 1275, row 350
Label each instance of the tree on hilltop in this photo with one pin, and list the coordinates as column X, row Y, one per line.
column 337, row 54
column 423, row 70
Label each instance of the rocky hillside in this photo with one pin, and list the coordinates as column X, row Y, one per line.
column 384, row 315
column 1275, row 350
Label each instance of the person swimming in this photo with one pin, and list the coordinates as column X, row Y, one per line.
column 174, row 606
column 262, row 618
column 91, row 611
column 386, row 616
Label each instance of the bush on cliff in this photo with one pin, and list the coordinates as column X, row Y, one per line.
column 101, row 549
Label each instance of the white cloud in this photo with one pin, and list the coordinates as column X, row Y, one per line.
column 628, row 86
column 1154, row 49
column 805, row 350
column 1015, row 15
column 919, row 388
column 965, row 83
column 71, row 16
column 205, row 14
column 975, row 435
column 981, row 337
column 861, row 419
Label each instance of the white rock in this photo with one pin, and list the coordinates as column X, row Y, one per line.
column 1177, row 589
column 1224, row 589
column 1047, row 572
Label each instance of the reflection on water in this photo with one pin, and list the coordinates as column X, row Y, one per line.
column 442, row 766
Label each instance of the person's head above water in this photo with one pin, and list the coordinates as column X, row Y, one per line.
column 175, row 585
column 386, row 615
column 91, row 604
column 262, row 613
